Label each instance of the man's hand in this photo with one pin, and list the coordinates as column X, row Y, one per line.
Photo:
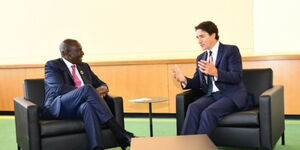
column 208, row 67
column 103, row 90
column 178, row 75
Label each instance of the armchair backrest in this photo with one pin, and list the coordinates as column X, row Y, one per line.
column 257, row 81
column 34, row 91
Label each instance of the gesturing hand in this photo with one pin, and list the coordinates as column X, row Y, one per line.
column 178, row 75
column 208, row 67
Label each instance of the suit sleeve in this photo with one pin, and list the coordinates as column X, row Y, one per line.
column 194, row 83
column 54, row 79
column 96, row 82
column 233, row 73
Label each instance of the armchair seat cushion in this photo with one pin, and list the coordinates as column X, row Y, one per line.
column 247, row 118
column 60, row 127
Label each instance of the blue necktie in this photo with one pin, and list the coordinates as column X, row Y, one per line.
column 209, row 79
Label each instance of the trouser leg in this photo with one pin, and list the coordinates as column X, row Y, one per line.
column 191, row 121
column 86, row 103
column 211, row 115
column 70, row 102
column 91, row 124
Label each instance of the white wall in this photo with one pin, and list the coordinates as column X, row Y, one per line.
column 31, row 30
column 276, row 26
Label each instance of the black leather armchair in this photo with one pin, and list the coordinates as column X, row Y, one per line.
column 36, row 133
column 259, row 127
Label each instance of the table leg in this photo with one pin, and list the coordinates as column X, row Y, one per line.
column 150, row 119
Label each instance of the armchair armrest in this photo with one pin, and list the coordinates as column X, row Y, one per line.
column 271, row 108
column 26, row 120
column 182, row 102
column 119, row 111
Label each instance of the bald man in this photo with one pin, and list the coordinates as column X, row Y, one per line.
column 73, row 91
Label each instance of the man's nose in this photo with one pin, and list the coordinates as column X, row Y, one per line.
column 199, row 41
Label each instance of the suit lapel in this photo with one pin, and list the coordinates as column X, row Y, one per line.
column 204, row 56
column 201, row 75
column 82, row 73
column 220, row 54
column 65, row 68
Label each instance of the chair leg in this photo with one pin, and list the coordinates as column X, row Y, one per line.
column 282, row 139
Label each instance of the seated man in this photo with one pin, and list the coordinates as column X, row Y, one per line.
column 73, row 91
column 219, row 75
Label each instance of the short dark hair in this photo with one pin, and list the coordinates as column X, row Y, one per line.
column 209, row 27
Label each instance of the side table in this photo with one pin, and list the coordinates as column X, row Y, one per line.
column 149, row 100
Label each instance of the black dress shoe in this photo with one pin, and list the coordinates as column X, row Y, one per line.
column 129, row 135
column 126, row 140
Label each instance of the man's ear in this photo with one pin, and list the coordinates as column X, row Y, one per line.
column 213, row 35
column 65, row 56
column 65, row 53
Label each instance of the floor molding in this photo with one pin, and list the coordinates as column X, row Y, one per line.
column 146, row 115
column 8, row 113
column 292, row 116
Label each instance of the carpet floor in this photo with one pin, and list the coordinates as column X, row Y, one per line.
column 140, row 127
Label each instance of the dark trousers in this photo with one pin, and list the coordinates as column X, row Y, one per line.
column 203, row 114
column 86, row 104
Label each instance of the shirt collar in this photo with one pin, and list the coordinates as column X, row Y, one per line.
column 215, row 48
column 69, row 64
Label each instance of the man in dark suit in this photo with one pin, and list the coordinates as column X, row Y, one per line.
column 73, row 91
column 219, row 75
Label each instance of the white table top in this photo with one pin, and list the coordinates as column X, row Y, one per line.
column 148, row 100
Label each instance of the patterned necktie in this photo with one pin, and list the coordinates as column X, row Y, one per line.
column 75, row 77
column 209, row 78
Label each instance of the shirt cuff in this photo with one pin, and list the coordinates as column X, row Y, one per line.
column 183, row 85
column 215, row 78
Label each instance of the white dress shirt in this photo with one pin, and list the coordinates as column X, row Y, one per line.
column 214, row 51
column 69, row 65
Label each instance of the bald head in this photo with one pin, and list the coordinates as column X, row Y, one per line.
column 71, row 50
column 66, row 44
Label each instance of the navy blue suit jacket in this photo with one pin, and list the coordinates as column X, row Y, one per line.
column 230, row 81
column 58, row 81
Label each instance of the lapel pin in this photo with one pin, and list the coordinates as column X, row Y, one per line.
column 81, row 72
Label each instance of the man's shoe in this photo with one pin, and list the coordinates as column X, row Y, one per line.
column 126, row 140
column 129, row 135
